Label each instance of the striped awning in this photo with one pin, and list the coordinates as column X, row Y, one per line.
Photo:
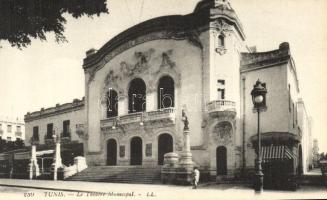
column 270, row 153
column 22, row 155
column 44, row 152
column 4, row 156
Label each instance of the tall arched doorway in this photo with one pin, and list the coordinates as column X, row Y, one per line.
column 221, row 159
column 136, row 96
column 165, row 145
column 136, row 151
column 300, row 162
column 166, row 92
column 111, row 152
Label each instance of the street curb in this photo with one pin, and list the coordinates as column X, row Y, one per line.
column 46, row 188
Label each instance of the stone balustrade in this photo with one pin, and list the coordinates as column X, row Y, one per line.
column 217, row 107
column 162, row 114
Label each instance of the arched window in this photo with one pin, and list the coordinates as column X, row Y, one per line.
column 112, row 103
column 221, row 40
column 166, row 90
column 136, row 96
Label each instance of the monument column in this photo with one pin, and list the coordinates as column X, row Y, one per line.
column 186, row 162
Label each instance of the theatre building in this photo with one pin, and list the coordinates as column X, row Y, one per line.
column 140, row 82
column 183, row 84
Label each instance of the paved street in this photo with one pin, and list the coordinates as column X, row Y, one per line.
column 25, row 189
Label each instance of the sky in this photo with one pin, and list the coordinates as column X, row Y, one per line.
column 46, row 73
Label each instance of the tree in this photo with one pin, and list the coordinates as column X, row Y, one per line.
column 21, row 20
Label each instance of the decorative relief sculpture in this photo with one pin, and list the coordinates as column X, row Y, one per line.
column 148, row 150
column 122, row 151
column 223, row 132
column 111, row 78
column 222, row 29
column 91, row 74
column 140, row 66
column 166, row 61
column 221, row 26
column 192, row 37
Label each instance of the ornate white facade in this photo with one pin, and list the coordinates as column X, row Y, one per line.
column 138, row 84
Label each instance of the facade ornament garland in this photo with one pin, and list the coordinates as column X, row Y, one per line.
column 91, row 75
column 142, row 64
column 221, row 26
column 223, row 132
column 221, row 50
column 191, row 36
column 166, row 60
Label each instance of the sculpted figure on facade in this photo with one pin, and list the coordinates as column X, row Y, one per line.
column 166, row 61
column 141, row 65
column 221, row 26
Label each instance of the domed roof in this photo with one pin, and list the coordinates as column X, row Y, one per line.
column 218, row 9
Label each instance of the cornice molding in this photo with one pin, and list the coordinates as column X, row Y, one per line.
column 176, row 27
column 57, row 110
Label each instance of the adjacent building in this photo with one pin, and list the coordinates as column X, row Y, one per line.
column 11, row 130
column 62, row 121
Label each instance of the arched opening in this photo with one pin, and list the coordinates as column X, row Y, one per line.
column 165, row 145
column 300, row 162
column 221, row 40
column 221, row 159
column 136, row 151
column 112, row 103
column 166, row 95
column 111, row 152
column 136, row 96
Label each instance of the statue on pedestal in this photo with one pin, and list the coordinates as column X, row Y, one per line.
column 185, row 120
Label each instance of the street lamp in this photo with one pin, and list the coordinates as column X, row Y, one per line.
column 258, row 94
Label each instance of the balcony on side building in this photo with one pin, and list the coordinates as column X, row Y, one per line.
column 219, row 108
column 48, row 139
column 165, row 115
column 65, row 137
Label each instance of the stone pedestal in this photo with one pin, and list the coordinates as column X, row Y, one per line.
column 57, row 162
column 186, row 163
column 170, row 168
column 33, row 167
column 80, row 163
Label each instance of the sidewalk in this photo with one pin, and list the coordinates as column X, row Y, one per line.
column 71, row 190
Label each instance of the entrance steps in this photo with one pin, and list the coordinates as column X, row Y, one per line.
column 119, row 174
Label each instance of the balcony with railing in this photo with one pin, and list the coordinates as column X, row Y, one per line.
column 48, row 138
column 164, row 115
column 65, row 137
column 221, row 107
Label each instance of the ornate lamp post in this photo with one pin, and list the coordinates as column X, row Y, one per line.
column 258, row 94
